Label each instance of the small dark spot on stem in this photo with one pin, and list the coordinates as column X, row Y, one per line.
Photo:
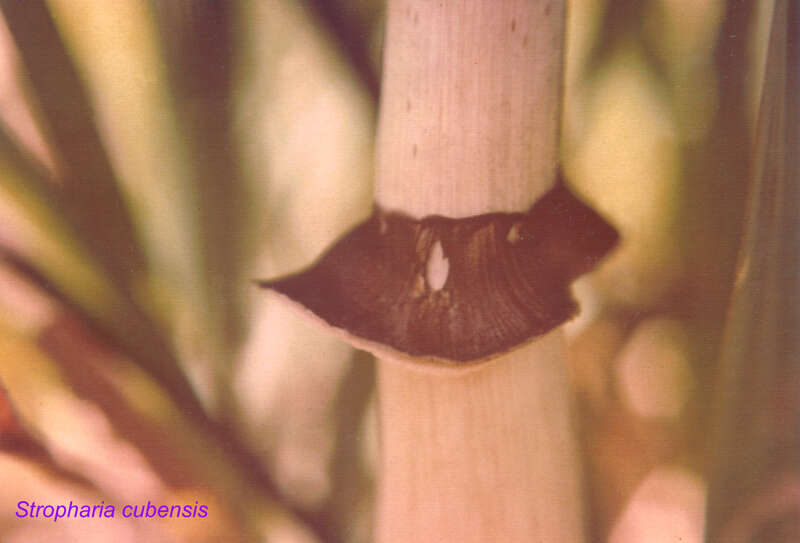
column 408, row 105
column 547, row 8
column 414, row 150
column 525, row 40
column 416, row 17
column 513, row 25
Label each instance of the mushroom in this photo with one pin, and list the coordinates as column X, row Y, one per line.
column 459, row 280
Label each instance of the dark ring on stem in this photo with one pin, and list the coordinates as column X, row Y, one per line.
column 455, row 290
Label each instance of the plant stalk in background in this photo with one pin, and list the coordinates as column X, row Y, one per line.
column 755, row 479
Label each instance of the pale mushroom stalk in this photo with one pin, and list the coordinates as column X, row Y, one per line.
column 469, row 125
column 459, row 281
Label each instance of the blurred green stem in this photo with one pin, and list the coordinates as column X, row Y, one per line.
column 352, row 39
column 199, row 44
column 755, row 478
column 89, row 192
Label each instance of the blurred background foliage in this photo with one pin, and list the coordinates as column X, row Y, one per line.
column 155, row 157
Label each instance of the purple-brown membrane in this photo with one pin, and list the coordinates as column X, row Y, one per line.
column 505, row 282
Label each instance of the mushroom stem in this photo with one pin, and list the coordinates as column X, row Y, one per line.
column 469, row 125
column 470, row 106
column 483, row 454
column 459, row 280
